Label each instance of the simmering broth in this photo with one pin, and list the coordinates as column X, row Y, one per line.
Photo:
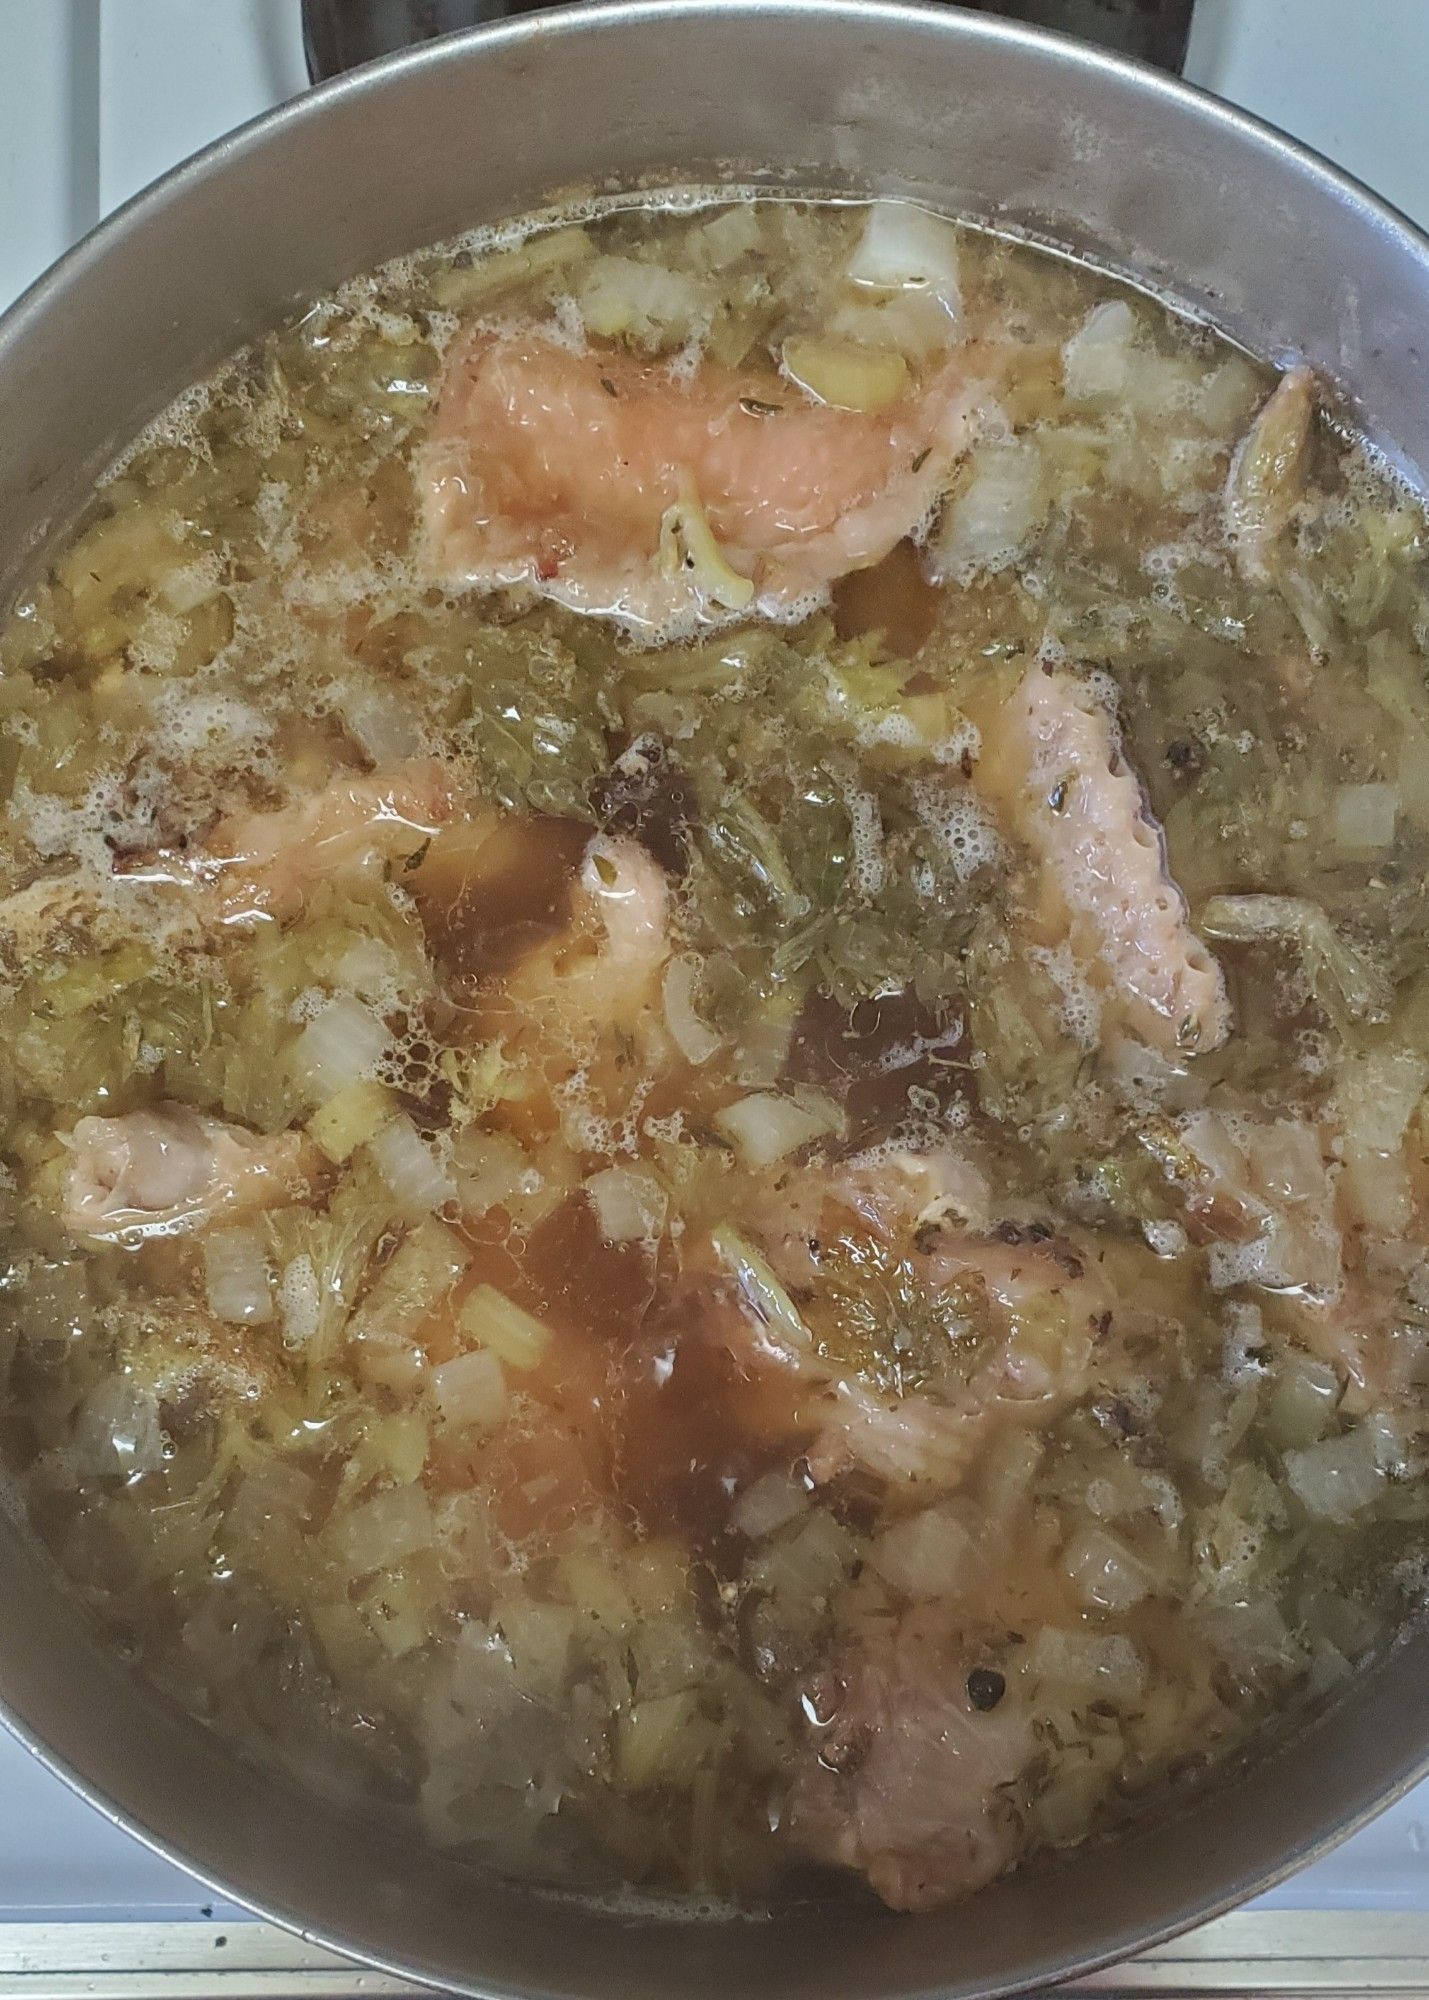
column 715, row 1022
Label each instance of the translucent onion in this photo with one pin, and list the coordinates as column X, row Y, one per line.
column 118, row 1429
column 471, row 1391
column 383, row 724
column 236, row 1280
column 688, row 548
column 1363, row 818
column 516, row 1336
column 340, row 1046
column 926, row 1556
column 411, row 1170
column 765, row 1126
column 381, row 1532
column 992, row 519
column 695, row 1040
column 629, row 1205
column 761, row 1289
column 418, row 1275
column 766, row 1505
column 1335, row 1479
column 1088, row 1663
column 844, row 374
column 1096, row 361
column 904, row 246
column 1105, row 1573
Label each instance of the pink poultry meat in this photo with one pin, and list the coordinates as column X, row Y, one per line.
column 561, row 470
column 170, row 1169
column 906, row 1783
column 1053, row 769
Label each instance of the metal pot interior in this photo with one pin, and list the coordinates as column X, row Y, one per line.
column 1029, row 133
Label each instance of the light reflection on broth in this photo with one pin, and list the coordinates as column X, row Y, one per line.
column 715, row 1029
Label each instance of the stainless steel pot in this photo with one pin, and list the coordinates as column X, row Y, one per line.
column 985, row 119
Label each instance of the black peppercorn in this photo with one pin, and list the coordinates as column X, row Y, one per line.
column 986, row 1687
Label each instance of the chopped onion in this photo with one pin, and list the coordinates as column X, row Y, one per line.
column 235, row 1263
column 629, row 1205
column 696, row 1041
column 369, row 967
column 341, row 1045
column 383, row 724
column 351, row 1119
column 1105, row 1572
column 420, row 1273
column 118, row 1429
column 471, row 1391
column 488, row 1168
column 845, row 374
column 904, row 246
column 642, row 301
column 760, row 1287
column 765, row 1126
column 651, row 1736
column 688, row 548
column 508, row 1330
column 1362, row 821
column 1096, row 361
column 1088, row 1663
column 1334, row 1479
column 766, row 1505
column 989, row 523
column 925, row 1556
column 410, row 1168
column 380, row 1532
column 300, row 1301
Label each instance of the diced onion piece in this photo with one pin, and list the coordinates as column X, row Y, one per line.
column 235, row 1265
column 765, row 1126
column 1088, row 1663
column 650, row 1738
column 489, row 1168
column 411, row 1170
column 419, row 1274
column 471, row 1391
column 688, row 548
column 845, row 375
column 369, row 967
column 695, row 1040
column 1303, row 1402
column 341, row 1045
column 550, row 250
column 988, row 524
column 766, row 1505
column 499, row 1324
column 630, row 1206
column 118, row 1429
column 1335, row 1479
column 593, row 1587
column 398, row 1442
column 627, row 296
column 902, row 246
column 1330, row 959
column 926, row 1556
column 1105, row 1572
column 760, row 1287
column 351, row 1119
column 383, row 724
column 382, row 1531
column 1096, row 361
column 1362, row 821
column 731, row 235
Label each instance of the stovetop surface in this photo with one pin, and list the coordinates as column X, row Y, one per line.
column 97, row 97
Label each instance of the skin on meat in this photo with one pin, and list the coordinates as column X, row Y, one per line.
column 904, row 1781
column 1267, row 476
column 267, row 864
column 561, row 471
column 172, row 1169
column 1023, row 1314
column 1052, row 768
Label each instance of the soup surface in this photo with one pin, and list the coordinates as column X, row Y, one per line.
column 715, row 1022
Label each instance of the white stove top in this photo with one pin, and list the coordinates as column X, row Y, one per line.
column 97, row 97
